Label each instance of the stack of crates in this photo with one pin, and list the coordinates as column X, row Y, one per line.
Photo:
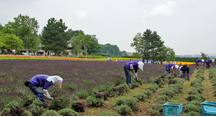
column 172, row 109
column 208, row 108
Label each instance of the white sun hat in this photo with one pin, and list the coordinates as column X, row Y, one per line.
column 213, row 60
column 56, row 80
column 140, row 65
column 202, row 60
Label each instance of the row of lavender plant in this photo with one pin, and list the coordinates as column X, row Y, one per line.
column 212, row 76
column 192, row 106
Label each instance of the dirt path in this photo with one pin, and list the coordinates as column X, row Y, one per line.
column 180, row 98
column 144, row 106
column 208, row 92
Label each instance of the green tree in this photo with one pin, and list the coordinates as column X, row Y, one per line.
column 2, row 39
column 80, row 44
column 24, row 27
column 204, row 56
column 166, row 54
column 74, row 33
column 1, row 27
column 93, row 47
column 170, row 55
column 142, row 44
column 147, row 45
column 138, row 44
column 110, row 49
column 155, row 45
column 54, row 37
column 10, row 41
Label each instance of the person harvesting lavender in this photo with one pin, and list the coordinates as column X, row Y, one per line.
column 199, row 61
column 186, row 68
column 181, row 72
column 209, row 61
column 169, row 66
column 132, row 66
column 44, row 81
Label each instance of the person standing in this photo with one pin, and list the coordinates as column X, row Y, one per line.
column 44, row 81
column 132, row 66
column 186, row 68
column 208, row 62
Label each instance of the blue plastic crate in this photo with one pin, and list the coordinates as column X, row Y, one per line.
column 172, row 109
column 209, row 111
column 208, row 104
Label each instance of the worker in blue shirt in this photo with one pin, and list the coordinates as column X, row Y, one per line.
column 44, row 81
column 132, row 66
column 209, row 61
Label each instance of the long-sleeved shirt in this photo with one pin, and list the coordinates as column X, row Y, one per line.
column 181, row 68
column 170, row 65
column 135, row 65
column 41, row 81
column 209, row 61
column 198, row 60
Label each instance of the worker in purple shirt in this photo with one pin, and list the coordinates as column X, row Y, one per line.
column 132, row 66
column 186, row 68
column 209, row 61
column 44, row 81
column 199, row 61
column 169, row 66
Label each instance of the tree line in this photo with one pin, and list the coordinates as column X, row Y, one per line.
column 22, row 33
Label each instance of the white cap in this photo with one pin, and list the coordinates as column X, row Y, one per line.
column 140, row 65
column 202, row 60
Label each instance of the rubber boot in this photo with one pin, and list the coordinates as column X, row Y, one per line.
column 197, row 67
column 183, row 75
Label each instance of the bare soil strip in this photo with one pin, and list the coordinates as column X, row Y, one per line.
column 208, row 92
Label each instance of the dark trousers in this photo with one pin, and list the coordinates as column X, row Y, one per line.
column 34, row 89
column 167, row 70
column 207, row 65
column 128, row 76
column 37, row 92
column 186, row 69
column 197, row 65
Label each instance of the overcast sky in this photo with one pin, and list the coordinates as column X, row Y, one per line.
column 187, row 26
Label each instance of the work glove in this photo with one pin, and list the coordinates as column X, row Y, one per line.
column 46, row 94
column 131, row 67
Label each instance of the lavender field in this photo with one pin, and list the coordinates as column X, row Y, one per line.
column 78, row 75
